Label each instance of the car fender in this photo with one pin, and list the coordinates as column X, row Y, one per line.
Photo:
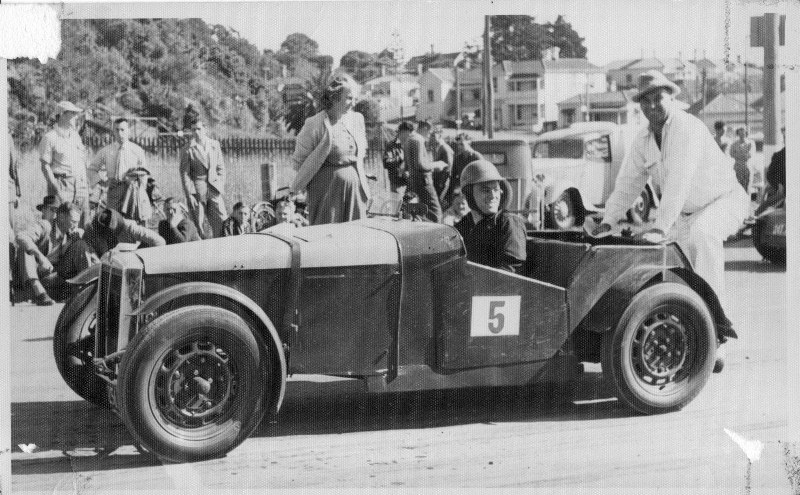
column 605, row 314
column 87, row 276
column 198, row 289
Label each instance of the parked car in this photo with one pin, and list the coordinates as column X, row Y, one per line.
column 578, row 167
column 193, row 343
column 769, row 233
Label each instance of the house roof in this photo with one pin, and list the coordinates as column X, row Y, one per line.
column 732, row 103
column 609, row 99
column 704, row 63
column 644, row 64
column 522, row 68
column 402, row 78
column 570, row 65
column 443, row 74
column 620, row 64
column 672, row 65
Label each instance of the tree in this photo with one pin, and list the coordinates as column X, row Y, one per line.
column 362, row 66
column 519, row 37
column 299, row 45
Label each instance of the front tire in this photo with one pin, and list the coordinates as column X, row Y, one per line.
column 662, row 351
column 73, row 346
column 194, row 383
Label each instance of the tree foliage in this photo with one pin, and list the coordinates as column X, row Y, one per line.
column 520, row 37
column 156, row 67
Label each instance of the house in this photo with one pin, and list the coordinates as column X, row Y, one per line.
column 437, row 93
column 397, row 95
column 612, row 106
column 624, row 74
column 565, row 78
column 730, row 108
column 421, row 63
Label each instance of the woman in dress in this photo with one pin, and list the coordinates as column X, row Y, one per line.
column 329, row 158
column 741, row 150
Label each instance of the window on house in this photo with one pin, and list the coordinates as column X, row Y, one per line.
column 541, row 109
column 430, row 96
column 525, row 114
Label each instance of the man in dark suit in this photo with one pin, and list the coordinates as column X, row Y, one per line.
column 202, row 171
column 420, row 168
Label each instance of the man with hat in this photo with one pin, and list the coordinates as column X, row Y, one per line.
column 702, row 203
column 420, row 167
column 64, row 160
column 53, row 250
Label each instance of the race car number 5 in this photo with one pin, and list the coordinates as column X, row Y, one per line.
column 494, row 316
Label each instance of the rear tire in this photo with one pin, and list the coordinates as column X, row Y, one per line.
column 195, row 383
column 662, row 351
column 772, row 254
column 73, row 346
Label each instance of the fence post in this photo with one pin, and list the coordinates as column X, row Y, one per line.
column 268, row 181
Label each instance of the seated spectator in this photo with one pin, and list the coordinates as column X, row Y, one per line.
column 109, row 228
column 177, row 228
column 238, row 222
column 456, row 211
column 492, row 236
column 286, row 217
column 53, row 251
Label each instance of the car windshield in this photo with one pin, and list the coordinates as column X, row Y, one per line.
column 385, row 203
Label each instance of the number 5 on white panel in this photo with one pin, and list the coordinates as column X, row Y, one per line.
column 495, row 316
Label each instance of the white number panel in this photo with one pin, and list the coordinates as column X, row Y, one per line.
column 495, row 316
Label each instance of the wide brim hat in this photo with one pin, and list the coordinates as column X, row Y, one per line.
column 49, row 200
column 653, row 80
column 484, row 171
column 68, row 106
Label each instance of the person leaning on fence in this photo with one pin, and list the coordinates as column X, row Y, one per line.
column 53, row 251
column 109, row 228
column 64, row 160
column 202, row 173
column 127, row 191
column 329, row 158
column 492, row 236
column 238, row 222
column 176, row 228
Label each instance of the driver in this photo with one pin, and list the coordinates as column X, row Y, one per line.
column 492, row 236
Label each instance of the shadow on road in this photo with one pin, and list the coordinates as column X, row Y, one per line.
column 312, row 408
column 90, row 438
column 753, row 266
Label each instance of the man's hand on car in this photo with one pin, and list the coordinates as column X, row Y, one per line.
column 595, row 229
column 654, row 236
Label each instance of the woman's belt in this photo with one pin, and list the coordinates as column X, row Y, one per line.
column 339, row 163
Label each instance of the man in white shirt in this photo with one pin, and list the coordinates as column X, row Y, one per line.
column 118, row 159
column 702, row 203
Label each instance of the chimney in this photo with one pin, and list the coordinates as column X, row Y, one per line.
column 419, row 69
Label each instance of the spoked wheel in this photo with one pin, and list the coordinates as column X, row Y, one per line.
column 195, row 383
column 562, row 212
column 663, row 350
column 73, row 346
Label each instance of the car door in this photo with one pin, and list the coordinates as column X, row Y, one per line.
column 490, row 317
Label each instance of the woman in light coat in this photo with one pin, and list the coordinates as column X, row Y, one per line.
column 329, row 158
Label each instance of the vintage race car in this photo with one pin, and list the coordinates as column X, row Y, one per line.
column 192, row 343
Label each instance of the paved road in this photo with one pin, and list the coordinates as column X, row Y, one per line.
column 331, row 434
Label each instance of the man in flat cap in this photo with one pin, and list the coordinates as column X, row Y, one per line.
column 64, row 160
column 702, row 203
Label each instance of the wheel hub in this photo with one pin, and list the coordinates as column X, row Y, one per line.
column 195, row 384
column 661, row 349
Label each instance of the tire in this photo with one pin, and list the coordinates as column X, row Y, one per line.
column 665, row 322
column 772, row 254
column 561, row 213
column 639, row 213
column 73, row 346
column 233, row 372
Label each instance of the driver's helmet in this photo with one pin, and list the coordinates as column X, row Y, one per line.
column 483, row 171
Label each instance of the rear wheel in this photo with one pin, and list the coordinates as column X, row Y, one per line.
column 73, row 346
column 640, row 211
column 562, row 214
column 195, row 383
column 662, row 351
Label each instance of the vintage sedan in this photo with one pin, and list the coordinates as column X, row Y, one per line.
column 192, row 343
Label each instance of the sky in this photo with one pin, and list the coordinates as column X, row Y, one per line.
column 613, row 29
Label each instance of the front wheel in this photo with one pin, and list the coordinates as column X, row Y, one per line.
column 662, row 351
column 194, row 383
column 73, row 346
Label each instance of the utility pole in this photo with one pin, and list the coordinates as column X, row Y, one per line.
column 746, row 99
column 768, row 31
column 488, row 94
